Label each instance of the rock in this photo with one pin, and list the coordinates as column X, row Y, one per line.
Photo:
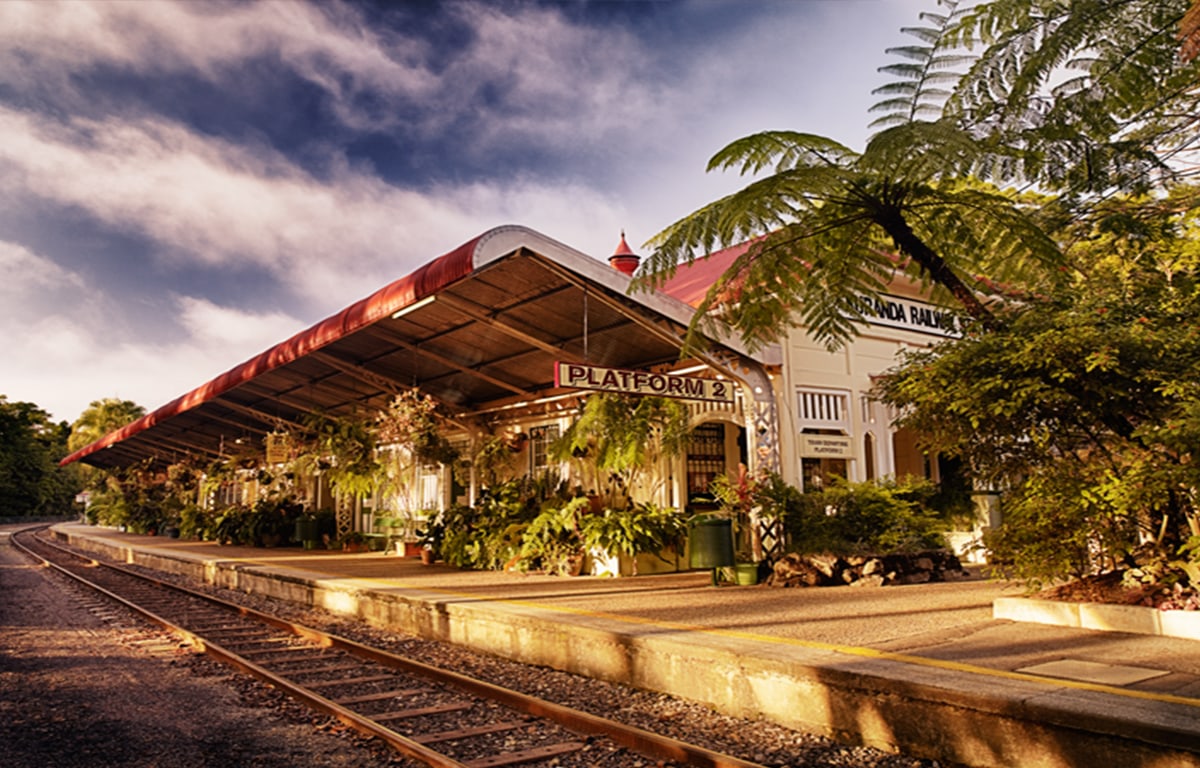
column 825, row 569
column 793, row 570
column 825, row 563
column 874, row 580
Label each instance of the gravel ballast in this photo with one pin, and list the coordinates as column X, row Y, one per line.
column 66, row 675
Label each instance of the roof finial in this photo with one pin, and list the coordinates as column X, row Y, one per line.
column 624, row 259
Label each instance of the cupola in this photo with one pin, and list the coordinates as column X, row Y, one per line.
column 624, row 259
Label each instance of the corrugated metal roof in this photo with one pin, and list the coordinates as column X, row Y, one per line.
column 691, row 282
column 480, row 325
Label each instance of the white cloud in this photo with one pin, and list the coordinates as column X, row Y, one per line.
column 23, row 272
column 47, row 356
column 329, row 44
column 215, row 327
column 203, row 200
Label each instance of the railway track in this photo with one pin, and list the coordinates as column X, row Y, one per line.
column 434, row 716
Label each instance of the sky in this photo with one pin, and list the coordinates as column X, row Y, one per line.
column 184, row 184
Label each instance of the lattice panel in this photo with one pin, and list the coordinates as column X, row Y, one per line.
column 772, row 537
column 345, row 520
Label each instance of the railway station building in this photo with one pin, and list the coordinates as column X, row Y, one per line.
column 509, row 333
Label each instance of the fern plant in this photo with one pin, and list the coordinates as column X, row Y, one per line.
column 830, row 227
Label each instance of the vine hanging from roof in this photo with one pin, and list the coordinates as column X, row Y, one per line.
column 412, row 420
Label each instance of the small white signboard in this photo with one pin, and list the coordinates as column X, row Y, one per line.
column 826, row 446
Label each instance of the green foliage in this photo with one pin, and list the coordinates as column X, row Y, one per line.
column 619, row 439
column 926, row 74
column 234, row 525
column 196, row 522
column 553, row 540
column 823, row 226
column 31, row 482
column 866, row 518
column 100, row 418
column 488, row 536
column 1086, row 405
column 412, row 420
column 272, row 520
column 347, row 445
column 522, row 524
column 641, row 529
column 433, row 533
column 1088, row 95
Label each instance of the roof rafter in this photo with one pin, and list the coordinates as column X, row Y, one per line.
column 489, row 319
column 356, row 370
column 443, row 360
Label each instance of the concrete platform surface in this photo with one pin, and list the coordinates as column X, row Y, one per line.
column 924, row 669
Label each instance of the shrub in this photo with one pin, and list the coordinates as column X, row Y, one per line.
column 643, row 528
column 859, row 518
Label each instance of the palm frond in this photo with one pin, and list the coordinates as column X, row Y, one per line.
column 916, row 95
column 1130, row 97
column 813, row 273
column 781, row 150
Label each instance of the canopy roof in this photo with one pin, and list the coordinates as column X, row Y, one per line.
column 479, row 329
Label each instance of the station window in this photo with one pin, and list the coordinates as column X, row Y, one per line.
column 429, row 486
column 540, row 440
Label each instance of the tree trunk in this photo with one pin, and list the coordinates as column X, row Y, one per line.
column 939, row 271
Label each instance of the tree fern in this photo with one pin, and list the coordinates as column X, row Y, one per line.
column 927, row 69
column 1092, row 92
column 830, row 227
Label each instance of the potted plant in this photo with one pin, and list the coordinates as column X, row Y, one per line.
column 354, row 541
column 641, row 529
column 617, row 441
column 553, row 539
column 430, row 538
column 745, row 568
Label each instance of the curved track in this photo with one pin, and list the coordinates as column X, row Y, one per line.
column 434, row 716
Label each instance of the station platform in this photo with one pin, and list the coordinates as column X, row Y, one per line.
column 924, row 669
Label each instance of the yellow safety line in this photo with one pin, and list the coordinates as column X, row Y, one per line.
column 848, row 650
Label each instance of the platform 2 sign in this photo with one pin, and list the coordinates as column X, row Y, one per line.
column 582, row 376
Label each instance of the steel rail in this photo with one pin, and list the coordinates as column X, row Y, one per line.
column 358, row 722
column 646, row 743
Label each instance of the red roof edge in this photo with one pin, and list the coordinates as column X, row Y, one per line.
column 425, row 281
column 691, row 282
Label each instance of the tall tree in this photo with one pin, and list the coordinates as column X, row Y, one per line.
column 100, row 418
column 826, row 223
column 1085, row 407
column 1093, row 94
column 31, row 482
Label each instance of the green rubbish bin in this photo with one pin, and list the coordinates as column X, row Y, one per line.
column 710, row 543
column 307, row 532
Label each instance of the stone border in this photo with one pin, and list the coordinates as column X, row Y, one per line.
column 1135, row 619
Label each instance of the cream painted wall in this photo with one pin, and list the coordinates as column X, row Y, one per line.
column 809, row 366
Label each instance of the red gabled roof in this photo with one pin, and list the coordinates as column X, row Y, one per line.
column 691, row 282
